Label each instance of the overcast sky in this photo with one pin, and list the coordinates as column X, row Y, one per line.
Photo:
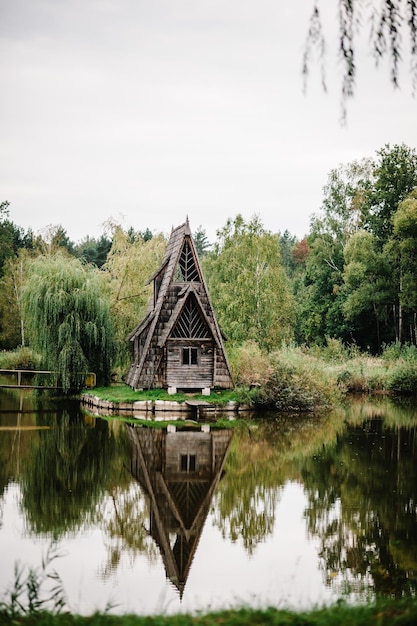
column 146, row 111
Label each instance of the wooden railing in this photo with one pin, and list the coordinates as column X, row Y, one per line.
column 22, row 382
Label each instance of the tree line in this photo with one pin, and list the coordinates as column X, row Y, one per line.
column 352, row 277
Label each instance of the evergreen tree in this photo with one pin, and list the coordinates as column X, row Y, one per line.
column 201, row 241
column 93, row 250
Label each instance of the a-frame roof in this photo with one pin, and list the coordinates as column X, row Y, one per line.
column 165, row 275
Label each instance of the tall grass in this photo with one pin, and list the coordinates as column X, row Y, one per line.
column 34, row 591
column 306, row 379
column 402, row 360
column 382, row 613
column 290, row 379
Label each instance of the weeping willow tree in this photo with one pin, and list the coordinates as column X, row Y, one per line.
column 68, row 318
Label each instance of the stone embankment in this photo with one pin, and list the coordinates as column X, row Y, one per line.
column 160, row 409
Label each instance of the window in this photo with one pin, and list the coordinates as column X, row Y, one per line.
column 189, row 356
column 188, row 462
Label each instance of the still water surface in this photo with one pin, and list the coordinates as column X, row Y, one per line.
column 293, row 511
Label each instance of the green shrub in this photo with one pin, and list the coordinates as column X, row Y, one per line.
column 353, row 380
column 344, row 377
column 334, row 350
column 298, row 382
column 403, row 379
column 397, row 351
column 20, row 359
column 249, row 364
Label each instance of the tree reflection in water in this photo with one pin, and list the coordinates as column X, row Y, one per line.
column 359, row 472
column 264, row 456
column 68, row 468
column 362, row 493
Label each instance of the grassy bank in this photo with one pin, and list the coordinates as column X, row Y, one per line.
column 299, row 379
column 384, row 613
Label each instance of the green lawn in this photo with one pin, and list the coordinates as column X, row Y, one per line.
column 124, row 393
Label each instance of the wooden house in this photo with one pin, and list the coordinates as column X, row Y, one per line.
column 179, row 473
column 178, row 344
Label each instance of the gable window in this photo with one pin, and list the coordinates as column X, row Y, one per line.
column 189, row 356
column 186, row 270
column 188, row 462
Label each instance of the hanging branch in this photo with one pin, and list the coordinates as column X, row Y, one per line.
column 388, row 21
column 314, row 41
column 412, row 25
column 386, row 35
column 347, row 51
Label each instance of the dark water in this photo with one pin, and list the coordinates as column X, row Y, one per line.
column 294, row 511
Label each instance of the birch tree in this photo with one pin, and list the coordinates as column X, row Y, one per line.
column 248, row 284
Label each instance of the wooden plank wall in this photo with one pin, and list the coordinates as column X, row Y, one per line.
column 188, row 376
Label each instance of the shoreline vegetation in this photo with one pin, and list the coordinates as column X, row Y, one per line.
column 292, row 379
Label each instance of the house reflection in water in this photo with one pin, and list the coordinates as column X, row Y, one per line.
column 179, row 472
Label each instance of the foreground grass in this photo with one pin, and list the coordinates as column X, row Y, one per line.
column 383, row 613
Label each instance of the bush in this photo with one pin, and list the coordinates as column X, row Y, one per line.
column 403, row 379
column 397, row 351
column 249, row 364
column 20, row 359
column 298, row 382
column 334, row 350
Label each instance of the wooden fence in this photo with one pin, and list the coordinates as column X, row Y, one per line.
column 24, row 379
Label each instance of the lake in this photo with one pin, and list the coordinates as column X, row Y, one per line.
column 289, row 511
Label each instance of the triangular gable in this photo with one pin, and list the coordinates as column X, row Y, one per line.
column 189, row 322
column 187, row 270
column 180, row 259
column 192, row 323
